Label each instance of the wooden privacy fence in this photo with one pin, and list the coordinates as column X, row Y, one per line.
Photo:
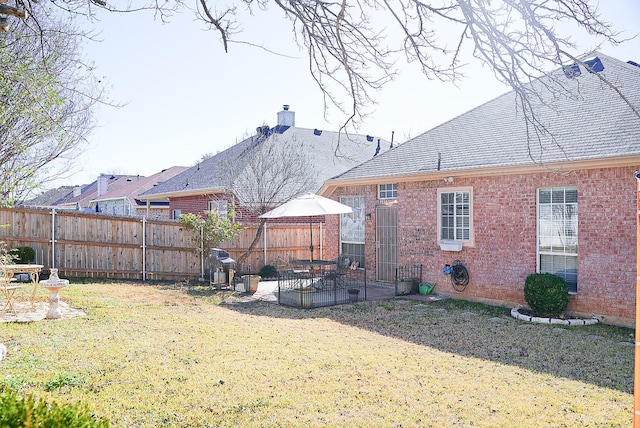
column 96, row 245
column 279, row 243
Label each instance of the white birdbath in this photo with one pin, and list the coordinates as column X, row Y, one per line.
column 54, row 284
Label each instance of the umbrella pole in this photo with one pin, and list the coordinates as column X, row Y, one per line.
column 311, row 246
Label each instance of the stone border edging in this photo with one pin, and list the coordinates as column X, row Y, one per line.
column 515, row 313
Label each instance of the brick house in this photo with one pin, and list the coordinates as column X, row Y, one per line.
column 214, row 183
column 505, row 203
column 210, row 184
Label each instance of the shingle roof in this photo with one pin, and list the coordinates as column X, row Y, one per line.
column 90, row 191
column 63, row 197
column 207, row 176
column 139, row 184
column 51, row 197
column 588, row 122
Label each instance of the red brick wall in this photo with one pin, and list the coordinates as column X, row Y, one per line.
column 332, row 235
column 200, row 203
column 504, row 219
column 190, row 204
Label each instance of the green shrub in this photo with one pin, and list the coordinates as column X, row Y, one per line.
column 268, row 271
column 17, row 411
column 546, row 294
column 23, row 255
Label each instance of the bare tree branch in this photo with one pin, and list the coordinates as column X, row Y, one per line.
column 353, row 47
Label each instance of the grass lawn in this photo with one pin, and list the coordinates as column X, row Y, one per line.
column 180, row 356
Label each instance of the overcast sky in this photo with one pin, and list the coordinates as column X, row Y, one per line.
column 185, row 97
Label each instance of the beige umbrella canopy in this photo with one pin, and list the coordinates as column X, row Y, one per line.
column 308, row 205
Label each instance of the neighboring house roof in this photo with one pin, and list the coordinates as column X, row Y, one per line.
column 320, row 146
column 77, row 197
column 90, row 191
column 52, row 197
column 138, row 185
column 586, row 118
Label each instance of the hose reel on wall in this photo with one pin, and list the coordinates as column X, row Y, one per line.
column 459, row 276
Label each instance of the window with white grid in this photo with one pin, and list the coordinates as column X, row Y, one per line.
column 455, row 214
column 558, row 233
column 387, row 191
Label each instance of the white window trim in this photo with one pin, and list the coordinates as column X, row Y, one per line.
column 217, row 203
column 386, row 198
column 465, row 243
column 342, row 200
column 551, row 253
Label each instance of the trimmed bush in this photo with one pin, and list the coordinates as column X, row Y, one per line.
column 23, row 255
column 546, row 294
column 268, row 271
column 17, row 411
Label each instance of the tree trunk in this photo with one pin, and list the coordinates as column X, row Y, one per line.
column 256, row 239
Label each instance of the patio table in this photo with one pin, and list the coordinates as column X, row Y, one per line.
column 34, row 274
column 314, row 264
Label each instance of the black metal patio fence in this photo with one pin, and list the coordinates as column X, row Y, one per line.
column 316, row 288
column 407, row 279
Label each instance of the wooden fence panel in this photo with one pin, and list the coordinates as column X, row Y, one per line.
column 96, row 245
column 283, row 242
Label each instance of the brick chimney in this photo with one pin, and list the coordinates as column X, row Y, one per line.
column 286, row 117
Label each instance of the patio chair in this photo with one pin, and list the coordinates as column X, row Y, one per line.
column 8, row 291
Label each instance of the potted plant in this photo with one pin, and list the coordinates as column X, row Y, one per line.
column 305, row 297
column 404, row 286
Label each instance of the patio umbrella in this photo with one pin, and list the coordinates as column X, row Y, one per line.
column 308, row 205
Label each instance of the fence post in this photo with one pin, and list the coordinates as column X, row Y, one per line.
column 144, row 248
column 53, row 237
column 202, row 253
column 321, row 240
column 636, row 370
column 264, row 250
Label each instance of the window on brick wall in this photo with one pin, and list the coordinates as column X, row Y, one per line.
column 455, row 214
column 221, row 207
column 558, row 233
column 175, row 214
column 352, row 230
column 387, row 191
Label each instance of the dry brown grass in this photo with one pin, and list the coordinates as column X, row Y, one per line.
column 172, row 356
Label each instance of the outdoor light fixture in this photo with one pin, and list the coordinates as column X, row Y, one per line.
column 367, row 216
